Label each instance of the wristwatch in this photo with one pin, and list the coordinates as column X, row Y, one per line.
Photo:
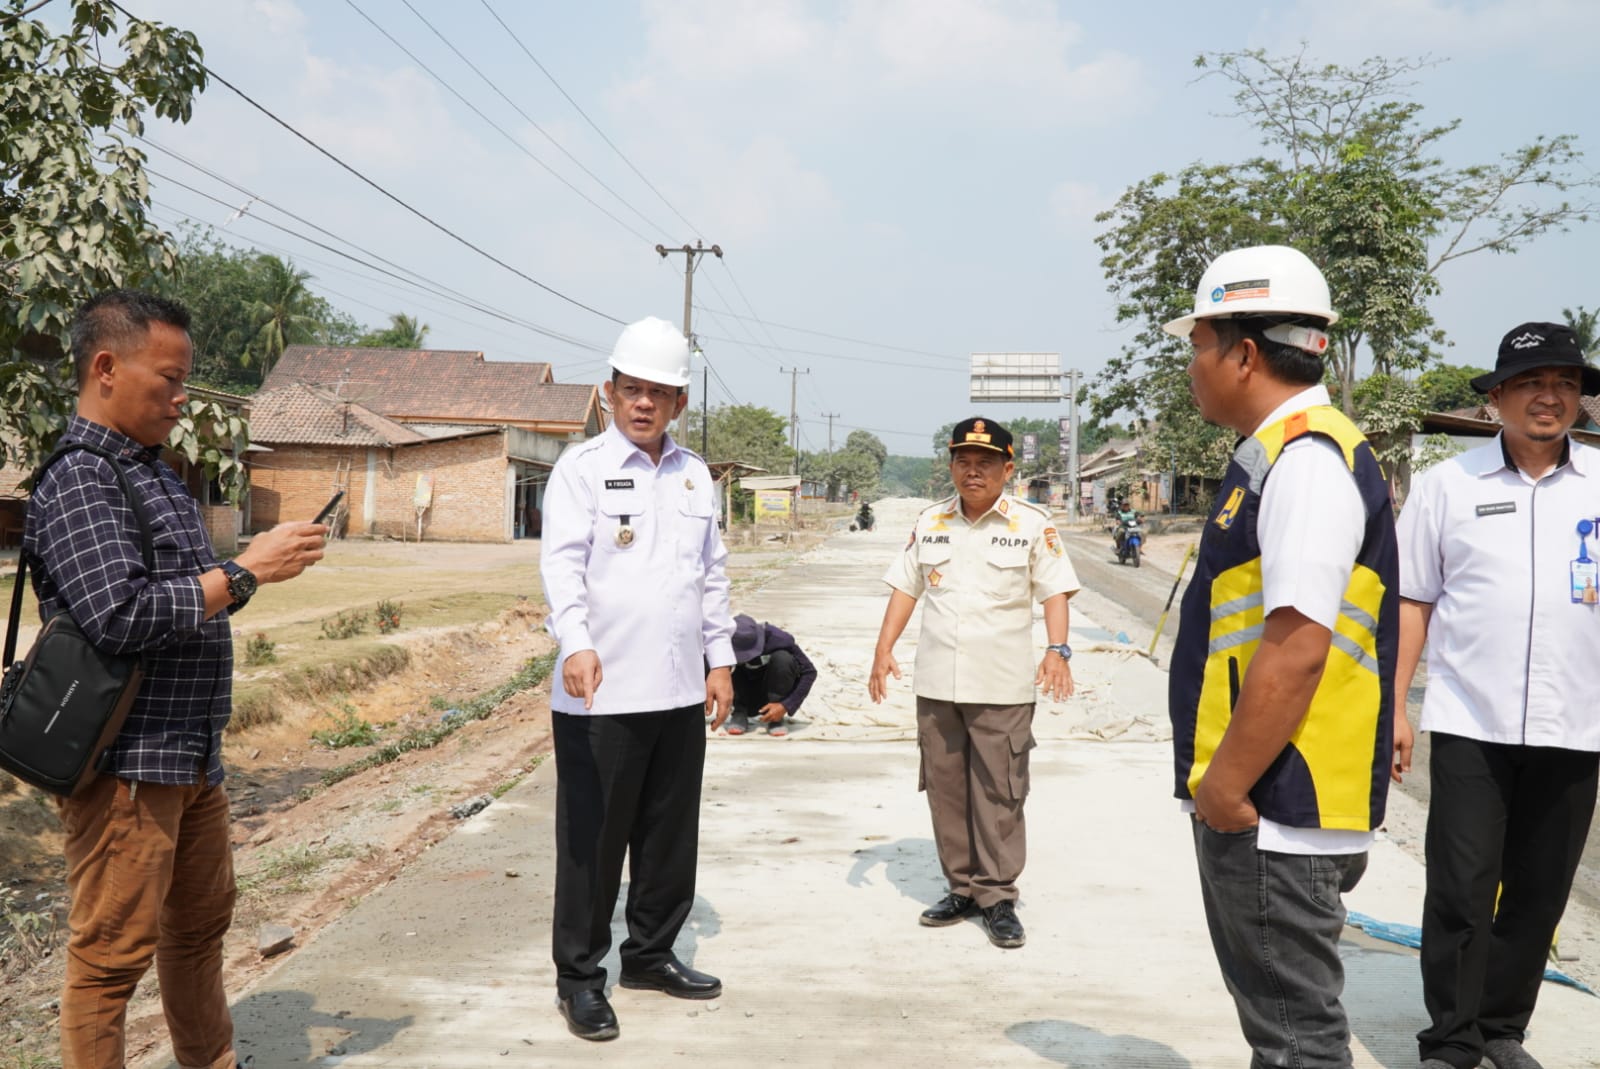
column 1061, row 648
column 241, row 583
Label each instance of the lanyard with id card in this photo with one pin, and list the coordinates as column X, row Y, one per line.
column 1585, row 572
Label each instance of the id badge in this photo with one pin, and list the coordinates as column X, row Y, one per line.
column 1585, row 580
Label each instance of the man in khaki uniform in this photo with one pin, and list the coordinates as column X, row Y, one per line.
column 981, row 558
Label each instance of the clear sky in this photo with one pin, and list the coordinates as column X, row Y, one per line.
column 919, row 174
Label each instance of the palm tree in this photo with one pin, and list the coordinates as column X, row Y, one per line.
column 1585, row 323
column 403, row 332
column 284, row 315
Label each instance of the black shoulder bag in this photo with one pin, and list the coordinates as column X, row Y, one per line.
column 62, row 706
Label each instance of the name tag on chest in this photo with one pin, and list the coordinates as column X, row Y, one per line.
column 1497, row 508
column 619, row 484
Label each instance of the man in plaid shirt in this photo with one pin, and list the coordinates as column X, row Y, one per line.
column 149, row 858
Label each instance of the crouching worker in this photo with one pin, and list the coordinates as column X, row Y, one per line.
column 772, row 678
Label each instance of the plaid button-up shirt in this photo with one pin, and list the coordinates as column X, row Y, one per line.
column 82, row 540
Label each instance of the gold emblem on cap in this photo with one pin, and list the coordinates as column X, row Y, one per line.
column 978, row 426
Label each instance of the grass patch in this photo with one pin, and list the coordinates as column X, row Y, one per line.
column 532, row 674
column 27, row 935
column 311, row 675
column 344, row 624
column 292, row 868
column 259, row 650
column 502, row 788
column 348, row 730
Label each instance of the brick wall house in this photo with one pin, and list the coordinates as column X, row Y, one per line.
column 316, row 444
column 403, row 405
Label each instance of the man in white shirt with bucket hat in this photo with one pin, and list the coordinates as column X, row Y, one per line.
column 633, row 570
column 1498, row 566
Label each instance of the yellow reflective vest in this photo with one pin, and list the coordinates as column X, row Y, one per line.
column 1334, row 773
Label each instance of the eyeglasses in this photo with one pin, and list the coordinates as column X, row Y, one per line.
column 633, row 391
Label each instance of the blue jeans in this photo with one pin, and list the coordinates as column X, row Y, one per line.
column 1275, row 921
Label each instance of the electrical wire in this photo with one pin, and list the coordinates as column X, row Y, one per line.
column 518, row 145
column 242, row 95
column 529, row 119
column 592, row 125
column 525, row 324
column 178, row 216
column 427, row 284
column 859, row 341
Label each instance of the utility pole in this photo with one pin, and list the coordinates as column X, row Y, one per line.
column 830, row 417
column 705, row 401
column 691, row 255
column 1072, row 453
column 794, row 374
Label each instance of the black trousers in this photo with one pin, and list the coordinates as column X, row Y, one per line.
column 774, row 681
column 1512, row 818
column 626, row 784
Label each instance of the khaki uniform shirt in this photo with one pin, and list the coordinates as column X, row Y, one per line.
column 981, row 580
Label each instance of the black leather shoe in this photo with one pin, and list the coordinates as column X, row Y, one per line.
column 674, row 978
column 1000, row 921
column 589, row 1015
column 949, row 909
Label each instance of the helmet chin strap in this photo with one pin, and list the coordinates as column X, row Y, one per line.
column 1310, row 339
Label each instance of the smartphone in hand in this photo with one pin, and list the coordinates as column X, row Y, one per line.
column 327, row 510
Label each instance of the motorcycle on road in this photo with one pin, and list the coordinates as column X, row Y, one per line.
column 1129, row 538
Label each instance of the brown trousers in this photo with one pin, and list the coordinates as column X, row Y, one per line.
column 150, row 869
column 975, row 772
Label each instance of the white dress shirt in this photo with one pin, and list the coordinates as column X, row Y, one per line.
column 633, row 568
column 1511, row 657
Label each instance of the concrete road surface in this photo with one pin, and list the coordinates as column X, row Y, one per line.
column 815, row 859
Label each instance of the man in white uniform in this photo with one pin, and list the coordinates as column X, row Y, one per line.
column 1280, row 689
column 980, row 560
column 633, row 571
column 1498, row 576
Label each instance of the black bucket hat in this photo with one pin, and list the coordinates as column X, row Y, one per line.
column 1534, row 345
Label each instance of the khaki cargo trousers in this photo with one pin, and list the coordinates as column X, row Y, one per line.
column 975, row 773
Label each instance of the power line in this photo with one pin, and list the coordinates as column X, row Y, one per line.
column 592, row 125
column 856, row 341
column 531, row 122
column 841, row 356
column 494, row 125
column 242, row 95
column 429, row 287
column 179, row 216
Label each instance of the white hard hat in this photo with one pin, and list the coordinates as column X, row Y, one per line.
column 654, row 350
column 1260, row 280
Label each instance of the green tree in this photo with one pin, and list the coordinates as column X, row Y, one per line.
column 856, row 468
column 906, row 476
column 1585, row 323
column 1445, row 387
column 222, row 285
column 1352, row 178
column 750, row 434
column 283, row 314
column 403, row 332
column 74, row 197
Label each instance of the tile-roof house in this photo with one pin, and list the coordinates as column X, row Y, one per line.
column 445, row 386
column 474, row 438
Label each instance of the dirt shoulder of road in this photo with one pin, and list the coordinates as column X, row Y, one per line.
column 305, row 853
